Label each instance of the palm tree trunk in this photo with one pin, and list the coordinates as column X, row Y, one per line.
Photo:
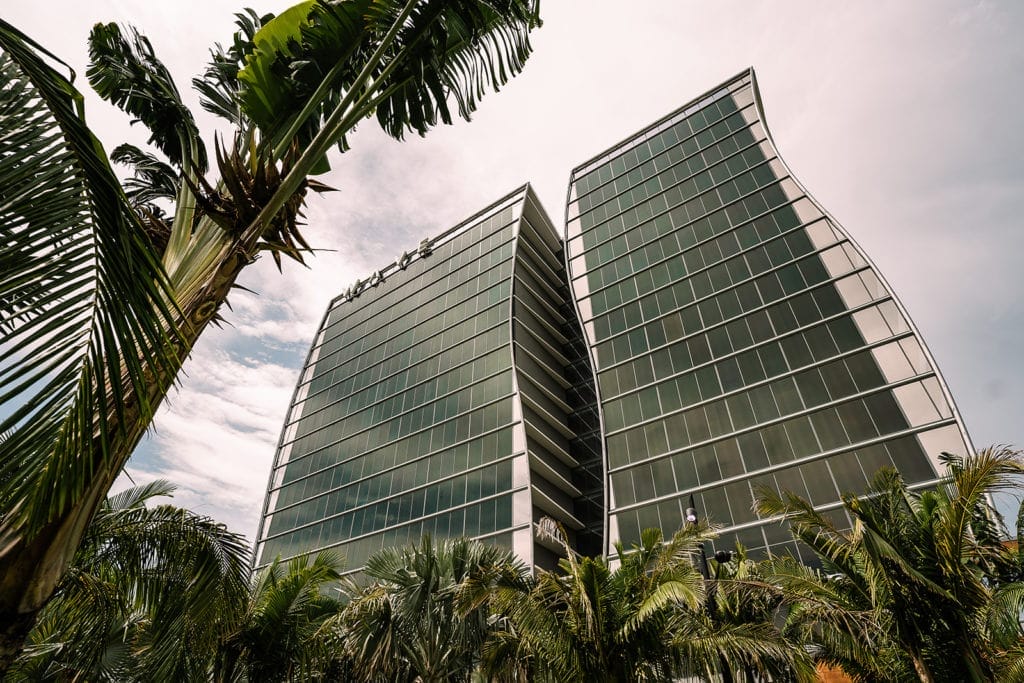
column 923, row 672
column 31, row 567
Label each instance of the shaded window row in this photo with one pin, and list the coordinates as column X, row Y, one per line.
column 344, row 468
column 399, row 507
column 487, row 348
column 756, row 263
column 426, row 405
column 673, row 165
column 684, row 201
column 604, row 224
column 710, row 308
column 429, row 317
column 356, row 482
column 800, row 302
column 640, row 152
column 833, row 380
column 702, row 245
column 822, row 482
column 374, row 404
column 475, row 520
column 442, row 435
column 687, row 171
column 750, row 453
column 824, row 429
column 484, row 332
column 777, row 352
column 678, row 233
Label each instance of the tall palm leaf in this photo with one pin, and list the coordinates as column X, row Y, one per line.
column 426, row 613
column 86, row 328
column 646, row 619
column 95, row 330
column 150, row 592
column 914, row 562
column 742, row 611
column 277, row 638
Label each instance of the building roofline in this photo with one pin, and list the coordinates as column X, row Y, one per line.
column 749, row 71
column 408, row 257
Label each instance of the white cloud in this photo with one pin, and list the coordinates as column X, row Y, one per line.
column 215, row 437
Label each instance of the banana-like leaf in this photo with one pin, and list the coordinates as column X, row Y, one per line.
column 218, row 86
column 292, row 54
column 150, row 593
column 82, row 296
column 455, row 49
column 125, row 71
column 263, row 98
column 307, row 59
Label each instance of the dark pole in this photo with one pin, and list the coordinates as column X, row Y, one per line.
column 691, row 517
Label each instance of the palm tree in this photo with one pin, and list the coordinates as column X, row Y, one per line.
column 104, row 294
column 913, row 579
column 426, row 613
column 279, row 636
column 646, row 619
column 150, row 592
column 743, row 597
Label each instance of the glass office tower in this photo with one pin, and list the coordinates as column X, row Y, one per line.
column 739, row 336
column 448, row 393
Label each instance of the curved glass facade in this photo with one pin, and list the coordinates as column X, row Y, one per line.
column 705, row 329
column 434, row 400
column 740, row 337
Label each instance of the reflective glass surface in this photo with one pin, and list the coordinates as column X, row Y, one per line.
column 403, row 421
column 451, row 394
column 741, row 340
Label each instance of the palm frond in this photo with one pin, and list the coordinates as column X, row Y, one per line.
column 1002, row 614
column 152, row 181
column 702, row 647
column 136, row 496
column 91, row 322
column 455, row 49
column 124, row 70
column 149, row 594
column 284, row 628
column 218, row 87
column 303, row 61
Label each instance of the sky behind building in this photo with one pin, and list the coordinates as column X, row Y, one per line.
column 902, row 119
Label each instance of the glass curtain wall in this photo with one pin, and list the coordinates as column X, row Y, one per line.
column 440, row 396
column 402, row 423
column 740, row 337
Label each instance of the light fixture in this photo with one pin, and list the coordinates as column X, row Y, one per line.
column 691, row 512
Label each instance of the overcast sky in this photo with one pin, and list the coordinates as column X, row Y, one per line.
column 903, row 119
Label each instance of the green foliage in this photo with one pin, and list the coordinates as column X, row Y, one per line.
column 919, row 586
column 80, row 281
column 400, row 61
column 126, row 72
column 646, row 619
column 427, row 610
column 116, row 289
column 150, row 593
column 153, row 179
column 278, row 638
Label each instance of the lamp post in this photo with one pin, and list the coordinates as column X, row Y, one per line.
column 721, row 556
